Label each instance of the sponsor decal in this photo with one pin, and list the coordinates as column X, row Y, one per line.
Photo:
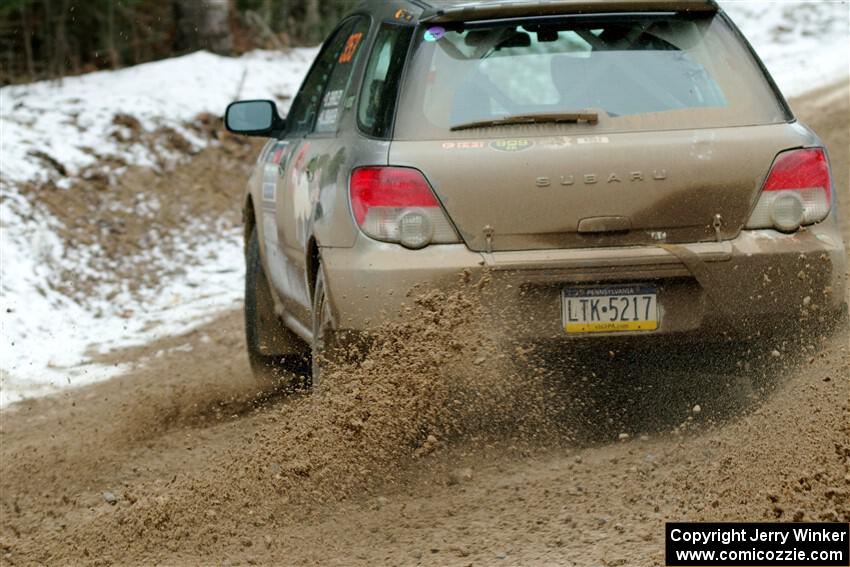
column 330, row 108
column 563, row 141
column 299, row 161
column 332, row 99
column 464, row 145
column 268, row 191
column 592, row 140
column 555, row 143
column 825, row 238
column 435, row 33
column 328, row 116
column 272, row 169
column 403, row 15
column 269, row 228
column 515, row 145
column 766, row 234
column 351, row 46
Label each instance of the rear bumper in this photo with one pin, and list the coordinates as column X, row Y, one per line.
column 732, row 287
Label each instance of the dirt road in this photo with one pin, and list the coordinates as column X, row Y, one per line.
column 432, row 453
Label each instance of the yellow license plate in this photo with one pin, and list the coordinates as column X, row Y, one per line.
column 614, row 309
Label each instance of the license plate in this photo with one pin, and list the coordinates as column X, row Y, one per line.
column 610, row 309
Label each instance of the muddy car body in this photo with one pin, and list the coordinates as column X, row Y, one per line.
column 619, row 169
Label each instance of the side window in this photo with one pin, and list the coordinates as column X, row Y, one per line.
column 381, row 81
column 305, row 107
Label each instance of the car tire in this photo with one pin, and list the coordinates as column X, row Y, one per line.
column 277, row 356
column 323, row 332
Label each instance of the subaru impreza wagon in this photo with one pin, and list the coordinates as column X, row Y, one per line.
column 620, row 168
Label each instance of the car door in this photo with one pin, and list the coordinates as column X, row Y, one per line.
column 308, row 148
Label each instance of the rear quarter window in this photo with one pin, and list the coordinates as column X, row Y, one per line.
column 381, row 80
column 638, row 72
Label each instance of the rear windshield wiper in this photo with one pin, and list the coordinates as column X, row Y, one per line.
column 537, row 118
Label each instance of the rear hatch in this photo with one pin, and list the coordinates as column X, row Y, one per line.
column 635, row 128
column 616, row 189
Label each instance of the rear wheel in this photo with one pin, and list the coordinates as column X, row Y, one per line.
column 278, row 357
column 322, row 328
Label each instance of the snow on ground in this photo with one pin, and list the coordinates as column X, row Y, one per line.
column 46, row 338
column 804, row 45
column 67, row 119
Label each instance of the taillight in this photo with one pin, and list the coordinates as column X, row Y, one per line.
column 798, row 191
column 396, row 204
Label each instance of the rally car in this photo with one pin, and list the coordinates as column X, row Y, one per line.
column 619, row 168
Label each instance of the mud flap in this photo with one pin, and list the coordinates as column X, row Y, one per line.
column 702, row 274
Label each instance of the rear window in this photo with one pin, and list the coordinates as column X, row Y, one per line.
column 638, row 72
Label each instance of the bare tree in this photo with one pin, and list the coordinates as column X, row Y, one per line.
column 27, row 29
column 49, row 38
column 110, row 36
column 203, row 24
column 62, row 49
column 313, row 21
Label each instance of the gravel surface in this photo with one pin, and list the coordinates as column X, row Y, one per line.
column 432, row 452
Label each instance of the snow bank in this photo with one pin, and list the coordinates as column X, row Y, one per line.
column 805, row 45
column 46, row 339
column 70, row 118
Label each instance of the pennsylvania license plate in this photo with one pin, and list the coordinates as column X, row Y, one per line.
column 610, row 309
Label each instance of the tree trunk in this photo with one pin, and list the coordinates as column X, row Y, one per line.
column 49, row 55
column 283, row 24
column 62, row 50
column 110, row 37
column 25, row 21
column 313, row 22
column 203, row 24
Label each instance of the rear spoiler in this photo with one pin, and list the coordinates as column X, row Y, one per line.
column 477, row 11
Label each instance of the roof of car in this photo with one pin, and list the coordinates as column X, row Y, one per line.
column 436, row 11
